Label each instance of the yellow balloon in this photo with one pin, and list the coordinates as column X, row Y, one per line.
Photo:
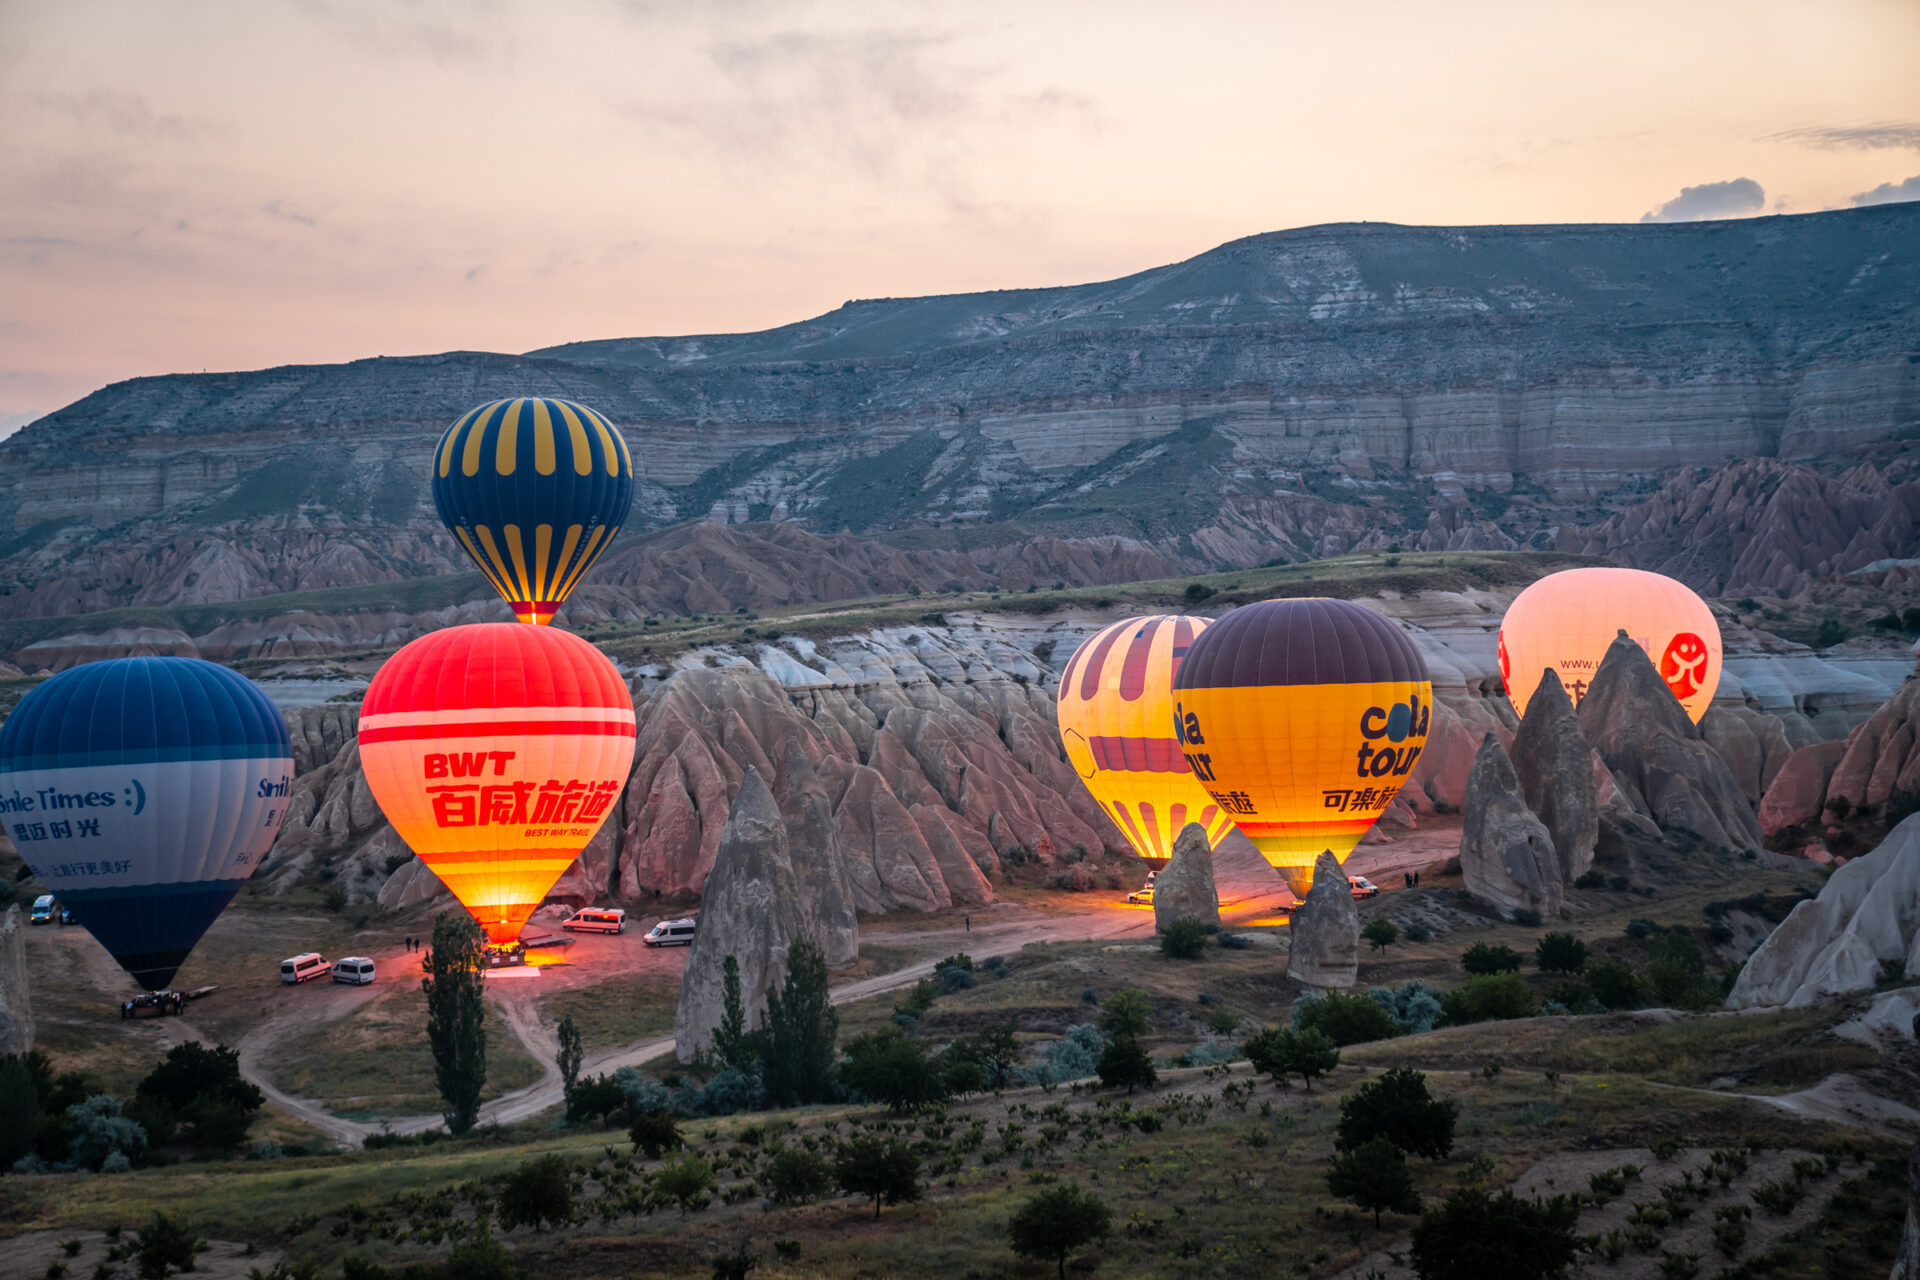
column 1566, row 621
column 1116, row 723
column 1302, row 719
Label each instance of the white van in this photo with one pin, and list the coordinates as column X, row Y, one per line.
column 597, row 920
column 670, row 933
column 300, row 968
column 357, row 970
column 42, row 910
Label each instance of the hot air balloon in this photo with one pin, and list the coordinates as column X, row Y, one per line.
column 1116, row 716
column 534, row 490
column 1302, row 719
column 1566, row 621
column 496, row 751
column 143, row 792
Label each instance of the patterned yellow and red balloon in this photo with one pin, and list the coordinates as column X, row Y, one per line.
column 497, row 750
column 1566, row 620
column 1116, row 715
column 1302, row 719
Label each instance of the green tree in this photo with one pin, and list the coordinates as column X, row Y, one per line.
column 1398, row 1107
column 1381, row 932
column 1487, row 998
column 1345, row 1018
column 998, row 1050
column 888, row 1065
column 596, row 1097
column 1124, row 1064
column 1281, row 1051
column 1055, row 1223
column 1483, row 957
column 882, row 1169
column 1476, row 1236
column 654, row 1133
column 801, row 1030
column 1560, row 953
column 1374, row 1176
column 456, row 963
column 1613, row 985
column 203, row 1087
column 1184, row 940
column 1127, row 1012
column 571, row 1055
column 19, row 1108
column 538, row 1194
column 164, row 1246
column 796, row 1175
column 481, row 1257
column 686, row 1182
column 733, row 1044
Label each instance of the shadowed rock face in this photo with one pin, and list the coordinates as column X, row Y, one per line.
column 16, row 999
column 1554, row 764
column 1798, row 792
column 1506, row 853
column 1325, row 932
column 1184, row 890
column 1657, row 755
column 1865, row 923
column 1882, row 758
column 754, row 910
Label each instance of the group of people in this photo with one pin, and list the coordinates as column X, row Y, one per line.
column 173, row 1002
column 1413, row 878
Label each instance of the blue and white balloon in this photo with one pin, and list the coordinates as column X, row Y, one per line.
column 143, row 792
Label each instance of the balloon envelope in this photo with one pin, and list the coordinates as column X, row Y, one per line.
column 1116, row 722
column 1302, row 718
column 1566, row 621
column 534, row 490
column 496, row 751
column 143, row 792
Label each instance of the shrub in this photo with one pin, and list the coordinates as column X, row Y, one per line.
column 1560, row 953
column 958, row 960
column 538, row 1194
column 952, row 978
column 204, row 1087
column 1779, row 1196
column 1056, row 1222
column 1414, row 1006
column 687, row 1182
column 1526, row 917
column 654, row 1133
column 1571, row 996
column 1374, row 1176
column 1590, row 880
column 1381, row 932
column 1124, row 1064
column 164, row 1246
column 796, row 1175
column 1417, row 932
column 1398, row 1107
column 1344, row 1019
column 96, row 1130
column 1281, row 1051
column 481, row 1257
column 882, row 1169
column 1613, row 984
column 19, row 1108
column 888, row 1065
column 1074, row 1058
column 1476, row 1236
column 1126, row 1012
column 1483, row 958
column 595, row 1098
column 1488, row 998
column 1198, row 591
column 1184, row 940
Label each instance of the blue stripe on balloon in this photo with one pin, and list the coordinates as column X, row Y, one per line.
column 89, row 759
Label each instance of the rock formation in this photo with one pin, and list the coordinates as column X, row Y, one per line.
column 1507, row 856
column 1864, row 927
column 1184, row 889
column 1881, row 764
column 754, row 910
column 1753, row 744
column 16, row 997
column 1798, row 792
column 1325, row 933
column 1906, row 1264
column 1657, row 755
column 1554, row 765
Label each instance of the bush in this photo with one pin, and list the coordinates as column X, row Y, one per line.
column 1126, row 1013
column 1485, row 999
column 687, row 1182
column 1344, row 1019
column 1056, row 1222
column 1613, row 984
column 888, row 1065
column 1281, row 1051
column 952, row 978
column 1413, row 1006
column 1124, row 1064
column 538, row 1194
column 1198, row 591
column 96, row 1130
column 1476, row 1236
column 204, row 1087
column 1560, row 953
column 883, row 1169
column 644, row 1094
column 1374, row 1176
column 729, row 1092
column 796, row 1175
column 164, row 1246
column 1482, row 958
column 1417, row 932
column 1572, row 996
column 481, row 1257
column 1074, row 1058
column 218, row 1125
column 654, row 1133
column 1381, row 932
column 1398, row 1107
column 1184, row 940
column 1526, row 917
column 596, row 1097
column 1590, row 880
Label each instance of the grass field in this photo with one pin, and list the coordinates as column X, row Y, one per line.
column 617, row 1012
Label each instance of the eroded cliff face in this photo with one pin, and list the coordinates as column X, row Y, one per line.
column 1295, row 395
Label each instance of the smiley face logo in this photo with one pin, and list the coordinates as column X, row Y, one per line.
column 1506, row 663
column 1684, row 665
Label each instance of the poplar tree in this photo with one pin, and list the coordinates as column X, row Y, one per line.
column 456, row 1015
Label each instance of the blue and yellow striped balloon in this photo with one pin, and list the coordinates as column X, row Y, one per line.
column 534, row 490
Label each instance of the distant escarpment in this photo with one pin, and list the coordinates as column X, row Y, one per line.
column 1292, row 396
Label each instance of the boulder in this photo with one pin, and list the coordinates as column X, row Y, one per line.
column 16, row 1002
column 1325, row 932
column 752, row 910
column 1798, row 791
column 1657, row 755
column 1184, row 890
column 1506, row 853
column 1864, row 925
column 1554, row 765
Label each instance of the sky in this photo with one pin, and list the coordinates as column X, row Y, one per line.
column 188, row 186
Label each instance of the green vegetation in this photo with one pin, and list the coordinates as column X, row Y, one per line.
column 1184, row 940
column 881, row 1169
column 1281, row 1052
column 1560, row 953
column 1374, row 1177
column 1484, row 958
column 1344, row 1018
column 1477, row 1236
column 1058, row 1222
column 1381, row 933
column 456, row 1015
column 1399, row 1108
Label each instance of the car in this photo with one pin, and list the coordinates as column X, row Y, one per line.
column 1141, row 897
column 670, row 933
column 300, row 968
column 158, row 1003
column 1361, row 887
column 43, row 909
column 597, row 920
column 357, row 970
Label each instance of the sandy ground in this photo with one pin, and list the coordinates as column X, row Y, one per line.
column 27, row 1257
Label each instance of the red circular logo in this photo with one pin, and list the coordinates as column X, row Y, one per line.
column 1684, row 665
column 1506, row 664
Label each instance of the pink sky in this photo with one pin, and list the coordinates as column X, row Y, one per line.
column 213, row 186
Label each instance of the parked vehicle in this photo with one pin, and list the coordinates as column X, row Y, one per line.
column 355, row 970
column 597, row 920
column 43, row 909
column 1142, row 896
column 670, row 933
column 158, row 1003
column 1361, row 887
column 302, row 967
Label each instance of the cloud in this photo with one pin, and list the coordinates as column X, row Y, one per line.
column 287, row 213
column 1886, row 134
column 125, row 114
column 1889, row 193
column 1735, row 199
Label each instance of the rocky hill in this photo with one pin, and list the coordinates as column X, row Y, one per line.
column 1289, row 396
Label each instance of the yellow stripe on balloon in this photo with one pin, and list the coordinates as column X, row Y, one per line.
column 476, row 432
column 453, row 439
column 499, row 583
column 519, row 555
column 542, row 438
column 586, row 558
column 499, row 563
column 542, row 544
column 607, row 436
column 506, row 450
column 564, row 564
column 582, row 456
